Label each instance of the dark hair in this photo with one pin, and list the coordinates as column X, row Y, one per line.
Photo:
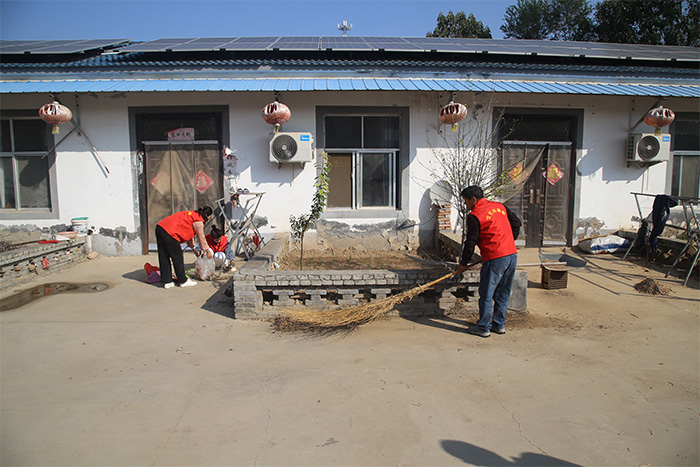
column 472, row 192
column 216, row 232
column 205, row 212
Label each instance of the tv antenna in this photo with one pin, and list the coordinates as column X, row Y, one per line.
column 345, row 27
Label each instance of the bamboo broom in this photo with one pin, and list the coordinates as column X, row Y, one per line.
column 301, row 318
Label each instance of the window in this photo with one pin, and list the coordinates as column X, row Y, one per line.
column 686, row 156
column 24, row 165
column 363, row 151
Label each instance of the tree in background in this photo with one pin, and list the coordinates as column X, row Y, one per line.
column 573, row 20
column 567, row 20
column 528, row 19
column 460, row 25
column 656, row 22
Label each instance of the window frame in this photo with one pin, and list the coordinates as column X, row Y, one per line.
column 356, row 179
column 679, row 156
column 18, row 213
column 399, row 162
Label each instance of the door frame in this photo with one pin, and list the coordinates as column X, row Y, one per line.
column 576, row 116
column 151, row 241
column 136, row 143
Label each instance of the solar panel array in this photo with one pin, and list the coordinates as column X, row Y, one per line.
column 403, row 44
column 58, row 47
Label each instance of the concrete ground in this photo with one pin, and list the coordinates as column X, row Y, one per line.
column 594, row 374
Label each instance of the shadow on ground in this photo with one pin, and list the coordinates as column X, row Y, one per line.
column 474, row 455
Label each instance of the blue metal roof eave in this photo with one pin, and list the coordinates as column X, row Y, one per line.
column 11, row 86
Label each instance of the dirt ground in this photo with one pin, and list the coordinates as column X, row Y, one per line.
column 597, row 374
column 352, row 258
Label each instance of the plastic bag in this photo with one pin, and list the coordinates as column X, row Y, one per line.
column 607, row 244
column 204, row 267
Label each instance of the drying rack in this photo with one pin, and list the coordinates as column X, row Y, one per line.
column 692, row 228
column 242, row 228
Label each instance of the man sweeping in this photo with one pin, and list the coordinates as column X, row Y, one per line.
column 494, row 228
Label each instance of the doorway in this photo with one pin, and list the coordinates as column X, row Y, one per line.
column 545, row 202
column 180, row 176
column 179, row 163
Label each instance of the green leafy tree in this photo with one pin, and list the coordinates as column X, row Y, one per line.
column 528, row 19
column 573, row 20
column 566, row 20
column 300, row 225
column 460, row 25
column 656, row 22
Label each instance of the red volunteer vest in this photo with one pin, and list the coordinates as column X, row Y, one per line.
column 217, row 247
column 495, row 234
column 180, row 225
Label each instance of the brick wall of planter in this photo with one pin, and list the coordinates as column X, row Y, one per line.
column 260, row 291
column 23, row 264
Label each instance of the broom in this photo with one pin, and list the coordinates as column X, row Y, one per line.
column 354, row 315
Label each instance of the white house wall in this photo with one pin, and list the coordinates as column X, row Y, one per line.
column 111, row 200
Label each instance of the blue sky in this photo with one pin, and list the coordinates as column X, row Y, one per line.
column 148, row 19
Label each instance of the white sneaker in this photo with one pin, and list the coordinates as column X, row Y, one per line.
column 188, row 283
column 168, row 285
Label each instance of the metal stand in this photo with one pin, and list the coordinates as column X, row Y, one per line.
column 242, row 229
column 692, row 229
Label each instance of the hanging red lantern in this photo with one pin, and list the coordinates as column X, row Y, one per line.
column 276, row 113
column 55, row 114
column 659, row 117
column 453, row 113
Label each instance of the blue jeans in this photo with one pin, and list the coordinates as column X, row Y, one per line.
column 494, row 291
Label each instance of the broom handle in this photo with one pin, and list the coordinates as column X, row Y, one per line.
column 447, row 276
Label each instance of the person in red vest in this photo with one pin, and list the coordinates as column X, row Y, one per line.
column 218, row 242
column 171, row 232
column 494, row 228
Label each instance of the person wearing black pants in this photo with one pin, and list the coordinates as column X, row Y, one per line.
column 171, row 232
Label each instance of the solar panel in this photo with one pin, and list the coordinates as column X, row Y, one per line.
column 204, row 44
column 57, row 47
column 157, row 45
column 347, row 43
column 297, row 43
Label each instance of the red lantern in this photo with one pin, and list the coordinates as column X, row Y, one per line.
column 453, row 113
column 55, row 114
column 659, row 117
column 276, row 113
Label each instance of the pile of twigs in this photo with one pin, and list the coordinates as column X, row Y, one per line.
column 303, row 319
column 650, row 287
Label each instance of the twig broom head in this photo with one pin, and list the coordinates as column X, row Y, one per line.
column 307, row 319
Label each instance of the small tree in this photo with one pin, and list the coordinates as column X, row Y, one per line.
column 300, row 225
column 468, row 155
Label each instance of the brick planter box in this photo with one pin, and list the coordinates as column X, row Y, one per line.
column 24, row 264
column 261, row 291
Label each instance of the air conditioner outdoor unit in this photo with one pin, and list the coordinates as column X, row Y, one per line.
column 291, row 147
column 648, row 148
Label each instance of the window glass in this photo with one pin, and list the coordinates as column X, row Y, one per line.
column 343, row 132
column 687, row 135
column 5, row 143
column 33, row 176
column 381, row 132
column 7, row 191
column 340, row 181
column 376, row 180
column 30, row 135
column 689, row 178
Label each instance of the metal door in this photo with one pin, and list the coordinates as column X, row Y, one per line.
column 180, row 176
column 543, row 204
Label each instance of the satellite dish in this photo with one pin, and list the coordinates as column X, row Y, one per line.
column 441, row 193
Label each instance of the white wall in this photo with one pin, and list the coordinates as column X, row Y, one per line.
column 110, row 200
